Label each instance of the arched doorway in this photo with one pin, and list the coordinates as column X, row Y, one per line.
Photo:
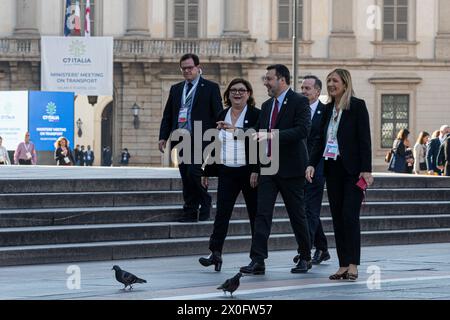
column 107, row 129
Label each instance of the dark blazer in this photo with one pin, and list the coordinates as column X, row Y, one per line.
column 206, row 107
column 444, row 155
column 59, row 157
column 250, row 120
column 353, row 136
column 315, row 132
column 433, row 147
column 294, row 123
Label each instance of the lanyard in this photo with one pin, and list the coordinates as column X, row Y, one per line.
column 187, row 95
column 26, row 148
column 335, row 124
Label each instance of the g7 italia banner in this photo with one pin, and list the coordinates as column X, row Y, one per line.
column 13, row 117
column 50, row 116
column 83, row 65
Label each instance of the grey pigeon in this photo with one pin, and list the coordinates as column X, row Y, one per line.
column 128, row 279
column 231, row 284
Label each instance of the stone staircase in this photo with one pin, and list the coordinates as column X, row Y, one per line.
column 71, row 220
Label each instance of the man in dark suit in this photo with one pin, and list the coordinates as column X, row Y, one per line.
column 444, row 156
column 193, row 100
column 288, row 113
column 433, row 147
column 311, row 89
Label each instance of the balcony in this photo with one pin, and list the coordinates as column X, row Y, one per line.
column 145, row 50
column 171, row 49
column 18, row 49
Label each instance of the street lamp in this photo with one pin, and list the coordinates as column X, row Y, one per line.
column 79, row 124
column 135, row 108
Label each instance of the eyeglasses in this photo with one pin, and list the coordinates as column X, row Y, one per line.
column 189, row 68
column 240, row 91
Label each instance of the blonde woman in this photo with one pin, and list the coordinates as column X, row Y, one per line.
column 4, row 157
column 63, row 155
column 419, row 152
column 345, row 144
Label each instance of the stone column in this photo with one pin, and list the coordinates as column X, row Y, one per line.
column 443, row 34
column 26, row 15
column 236, row 18
column 137, row 23
column 342, row 41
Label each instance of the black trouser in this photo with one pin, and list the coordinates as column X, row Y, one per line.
column 194, row 193
column 345, row 203
column 292, row 191
column 24, row 162
column 313, row 204
column 231, row 182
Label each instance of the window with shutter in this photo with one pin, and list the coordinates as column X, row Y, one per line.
column 395, row 20
column 186, row 15
column 285, row 16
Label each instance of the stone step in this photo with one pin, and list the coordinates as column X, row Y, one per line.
column 145, row 214
column 70, row 184
column 118, row 250
column 147, row 198
column 147, row 231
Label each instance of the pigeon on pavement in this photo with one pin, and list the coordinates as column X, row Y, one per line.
column 231, row 284
column 128, row 279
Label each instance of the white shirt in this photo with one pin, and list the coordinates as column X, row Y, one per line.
column 313, row 108
column 233, row 151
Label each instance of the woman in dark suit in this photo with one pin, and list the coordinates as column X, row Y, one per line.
column 345, row 143
column 63, row 155
column 399, row 163
column 235, row 172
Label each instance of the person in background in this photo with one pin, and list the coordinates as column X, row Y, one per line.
column 63, row 155
column 125, row 157
column 4, row 157
column 311, row 89
column 433, row 147
column 107, row 157
column 25, row 153
column 419, row 152
column 398, row 162
column 89, row 156
column 81, row 156
column 195, row 99
column 76, row 152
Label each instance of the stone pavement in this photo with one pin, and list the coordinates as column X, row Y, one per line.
column 407, row 272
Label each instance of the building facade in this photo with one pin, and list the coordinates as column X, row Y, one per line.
column 398, row 52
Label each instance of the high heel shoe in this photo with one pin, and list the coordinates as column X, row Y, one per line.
column 339, row 276
column 352, row 276
column 213, row 259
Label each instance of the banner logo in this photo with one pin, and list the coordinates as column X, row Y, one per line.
column 51, row 113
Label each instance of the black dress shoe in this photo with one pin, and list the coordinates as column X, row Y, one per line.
column 254, row 268
column 320, row 256
column 214, row 258
column 302, row 266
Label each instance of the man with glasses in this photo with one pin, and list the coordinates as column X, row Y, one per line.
column 192, row 100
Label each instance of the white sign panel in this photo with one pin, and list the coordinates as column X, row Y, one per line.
column 13, row 117
column 83, row 65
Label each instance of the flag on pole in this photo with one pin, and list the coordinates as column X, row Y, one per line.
column 77, row 29
column 67, row 22
column 87, row 20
